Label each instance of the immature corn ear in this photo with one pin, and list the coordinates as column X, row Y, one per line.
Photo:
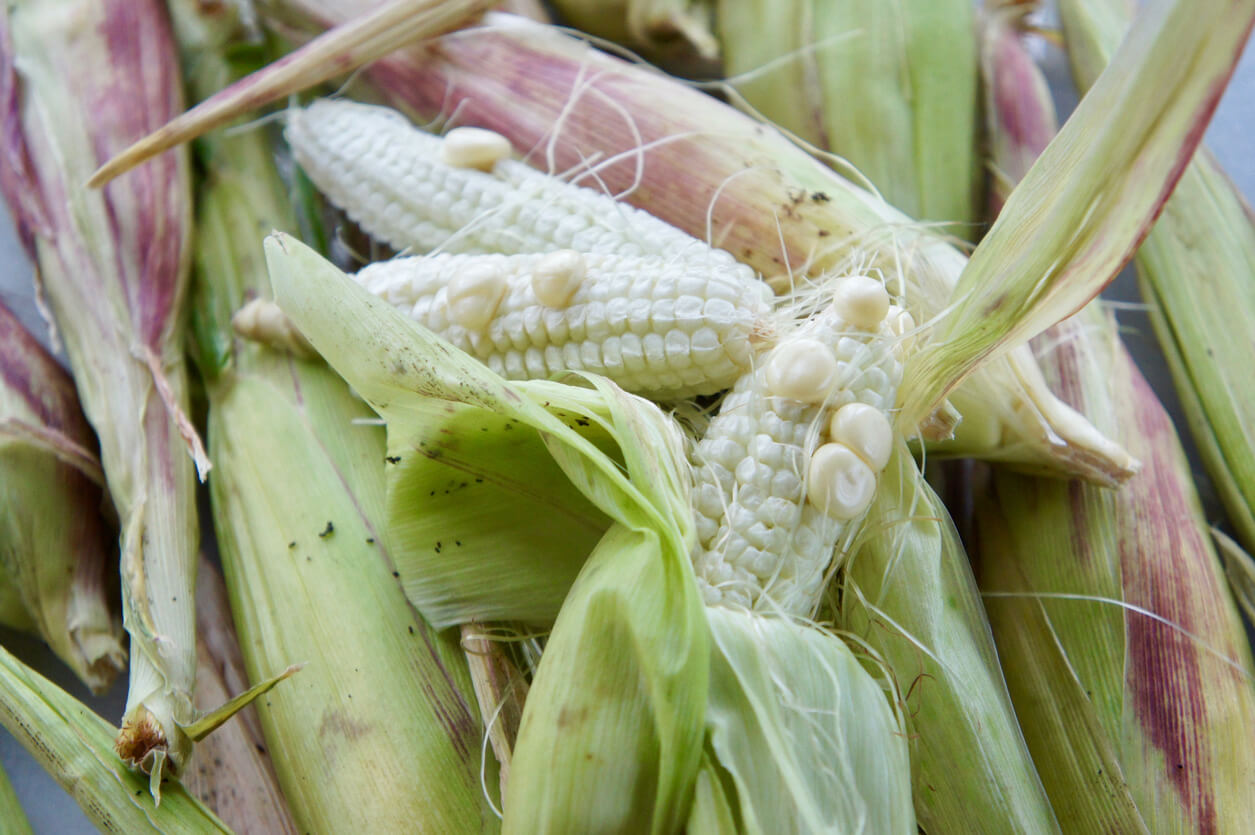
column 910, row 595
column 75, row 746
column 1199, row 296
column 57, row 561
column 80, row 80
column 1123, row 650
column 709, row 170
column 890, row 88
column 383, row 707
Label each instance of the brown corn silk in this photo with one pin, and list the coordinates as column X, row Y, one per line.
column 94, row 77
column 57, row 562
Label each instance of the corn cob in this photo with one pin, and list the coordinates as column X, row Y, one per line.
column 75, row 746
column 95, row 77
column 771, row 501
column 55, row 554
column 889, row 88
column 664, row 329
column 713, row 172
column 1199, row 296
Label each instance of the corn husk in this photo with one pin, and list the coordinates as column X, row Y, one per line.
column 57, row 563
column 910, row 595
column 1122, row 647
column 889, row 88
column 379, row 731
column 75, row 746
column 80, row 81
column 611, row 733
column 231, row 772
column 663, row 31
column 806, row 735
column 1200, row 294
column 11, row 813
column 1092, row 195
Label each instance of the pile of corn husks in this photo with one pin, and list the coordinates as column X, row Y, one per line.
column 729, row 439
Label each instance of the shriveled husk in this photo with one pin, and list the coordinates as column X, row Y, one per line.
column 75, row 746
column 80, row 80
column 379, row 731
column 889, row 88
column 1194, row 270
column 909, row 593
column 57, row 562
column 1122, row 648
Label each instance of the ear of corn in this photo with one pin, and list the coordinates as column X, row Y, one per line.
column 95, row 77
column 75, row 746
column 231, row 772
column 56, row 558
column 622, row 748
column 712, row 812
column 805, row 733
column 1200, row 296
column 910, row 595
column 655, row 326
column 1123, row 649
column 890, row 88
column 1092, row 195
column 384, row 708
column 711, row 171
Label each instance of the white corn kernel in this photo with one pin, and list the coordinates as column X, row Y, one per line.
column 557, row 276
column 861, row 301
column 474, row 148
column 474, row 294
column 866, row 431
column 802, row 369
column 839, row 483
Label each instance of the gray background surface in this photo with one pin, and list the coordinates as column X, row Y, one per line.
column 51, row 811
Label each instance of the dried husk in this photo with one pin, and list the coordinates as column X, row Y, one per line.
column 81, row 80
column 57, row 561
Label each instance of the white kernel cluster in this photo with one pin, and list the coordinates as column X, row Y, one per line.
column 420, row 192
column 794, row 455
column 662, row 329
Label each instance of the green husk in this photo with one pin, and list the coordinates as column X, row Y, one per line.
column 56, row 556
column 11, row 812
column 625, row 667
column 1194, row 270
column 891, row 88
column 75, row 746
column 663, row 31
column 805, row 734
column 378, row 732
column 910, row 595
column 1122, row 648
column 1090, row 199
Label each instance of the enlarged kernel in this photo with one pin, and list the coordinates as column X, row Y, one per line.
column 839, row 483
column 474, row 148
column 866, row 431
column 474, row 294
column 861, row 301
column 803, row 370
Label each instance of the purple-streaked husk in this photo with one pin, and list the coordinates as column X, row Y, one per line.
column 56, row 557
column 720, row 175
column 231, row 772
column 1122, row 647
column 1020, row 117
column 80, row 80
column 369, row 35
